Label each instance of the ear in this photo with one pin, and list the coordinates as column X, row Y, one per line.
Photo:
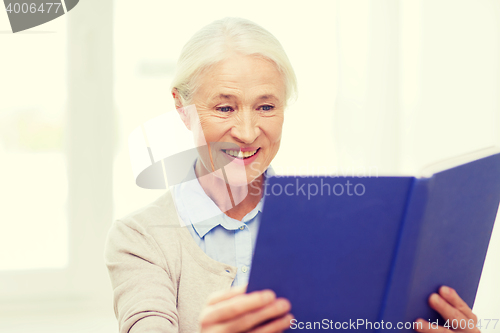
column 180, row 108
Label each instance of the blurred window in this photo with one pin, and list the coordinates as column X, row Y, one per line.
column 33, row 183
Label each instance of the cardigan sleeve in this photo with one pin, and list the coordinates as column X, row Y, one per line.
column 144, row 293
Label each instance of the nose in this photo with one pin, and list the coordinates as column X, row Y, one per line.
column 246, row 128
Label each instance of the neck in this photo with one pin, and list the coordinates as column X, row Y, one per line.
column 247, row 196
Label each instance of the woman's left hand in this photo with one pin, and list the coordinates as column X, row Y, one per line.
column 452, row 308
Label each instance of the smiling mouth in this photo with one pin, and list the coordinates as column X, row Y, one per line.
column 240, row 154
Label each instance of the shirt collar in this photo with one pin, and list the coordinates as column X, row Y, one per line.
column 196, row 207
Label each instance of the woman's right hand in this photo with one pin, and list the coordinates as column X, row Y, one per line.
column 234, row 311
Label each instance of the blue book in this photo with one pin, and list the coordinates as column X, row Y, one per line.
column 363, row 250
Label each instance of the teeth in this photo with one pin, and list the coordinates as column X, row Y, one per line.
column 240, row 154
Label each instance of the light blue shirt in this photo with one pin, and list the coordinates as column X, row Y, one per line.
column 221, row 237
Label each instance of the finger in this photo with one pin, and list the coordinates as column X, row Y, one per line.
column 226, row 294
column 277, row 325
column 445, row 309
column 426, row 327
column 251, row 320
column 236, row 306
column 451, row 296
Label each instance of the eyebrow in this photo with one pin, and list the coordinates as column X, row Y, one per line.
column 268, row 96
column 229, row 96
column 225, row 96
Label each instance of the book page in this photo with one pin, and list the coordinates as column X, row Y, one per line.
column 449, row 163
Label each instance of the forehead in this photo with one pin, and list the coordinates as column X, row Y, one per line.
column 245, row 77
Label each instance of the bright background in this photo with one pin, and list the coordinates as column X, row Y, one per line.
column 394, row 85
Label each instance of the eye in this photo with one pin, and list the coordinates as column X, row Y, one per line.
column 267, row 107
column 224, row 109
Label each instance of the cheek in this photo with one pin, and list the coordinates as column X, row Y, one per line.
column 273, row 130
column 209, row 126
column 213, row 125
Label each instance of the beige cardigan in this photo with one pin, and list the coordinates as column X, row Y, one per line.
column 160, row 277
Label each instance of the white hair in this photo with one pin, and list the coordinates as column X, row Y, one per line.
column 220, row 39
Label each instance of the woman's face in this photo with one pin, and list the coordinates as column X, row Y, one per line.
column 240, row 105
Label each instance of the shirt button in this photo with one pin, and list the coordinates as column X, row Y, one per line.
column 244, row 269
column 242, row 227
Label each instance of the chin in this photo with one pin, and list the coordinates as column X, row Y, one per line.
column 239, row 175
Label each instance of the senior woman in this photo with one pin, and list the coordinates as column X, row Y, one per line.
column 232, row 85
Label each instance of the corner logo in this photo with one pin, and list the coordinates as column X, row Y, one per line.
column 26, row 14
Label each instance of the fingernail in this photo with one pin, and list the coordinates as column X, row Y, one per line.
column 445, row 290
column 268, row 296
column 435, row 298
column 282, row 304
